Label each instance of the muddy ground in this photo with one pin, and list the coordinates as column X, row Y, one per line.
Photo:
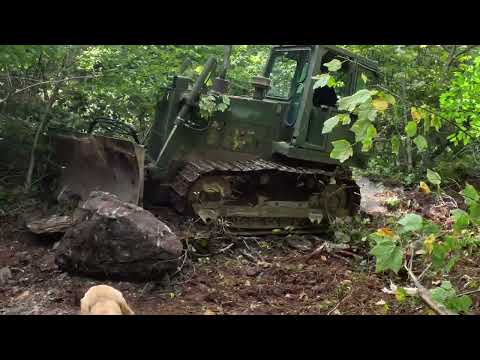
column 248, row 275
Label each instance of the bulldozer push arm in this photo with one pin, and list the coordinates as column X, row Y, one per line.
column 190, row 101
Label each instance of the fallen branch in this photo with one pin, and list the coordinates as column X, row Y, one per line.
column 224, row 249
column 249, row 256
column 425, row 296
column 349, row 253
column 470, row 292
column 316, row 252
column 424, row 272
column 333, row 249
column 339, row 303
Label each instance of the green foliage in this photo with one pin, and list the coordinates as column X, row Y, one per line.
column 421, row 143
column 461, row 102
column 389, row 255
column 350, row 103
column 417, row 75
column 392, row 203
column 445, row 294
column 334, row 65
column 395, row 145
column 330, row 124
column 342, row 150
column 365, row 104
column 470, row 195
column 322, row 81
column 461, row 218
column 210, row 104
column 411, row 129
column 443, row 249
column 434, row 177
column 411, row 222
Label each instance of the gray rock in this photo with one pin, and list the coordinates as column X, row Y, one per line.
column 5, row 275
column 110, row 237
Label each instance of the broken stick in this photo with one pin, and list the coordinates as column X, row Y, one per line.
column 425, row 296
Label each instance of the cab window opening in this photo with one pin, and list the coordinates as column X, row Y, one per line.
column 328, row 96
column 288, row 69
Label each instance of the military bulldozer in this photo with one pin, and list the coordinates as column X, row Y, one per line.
column 262, row 163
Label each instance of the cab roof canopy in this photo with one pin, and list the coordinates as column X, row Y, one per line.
column 337, row 50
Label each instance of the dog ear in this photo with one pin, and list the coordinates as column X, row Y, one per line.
column 126, row 309
column 84, row 307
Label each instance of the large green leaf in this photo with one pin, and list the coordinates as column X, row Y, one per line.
column 322, row 81
column 470, row 195
column 342, row 150
column 388, row 255
column 363, row 129
column 461, row 219
column 334, row 65
column 349, row 103
column 411, row 129
column 421, row 143
column 411, row 222
column 368, row 140
column 390, row 99
column 367, row 114
column 474, row 212
column 434, row 177
column 330, row 124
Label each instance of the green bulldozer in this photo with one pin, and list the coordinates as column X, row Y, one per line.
column 260, row 162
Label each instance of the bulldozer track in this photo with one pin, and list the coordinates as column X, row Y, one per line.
column 193, row 171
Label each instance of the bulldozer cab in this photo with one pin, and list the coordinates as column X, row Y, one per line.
column 292, row 71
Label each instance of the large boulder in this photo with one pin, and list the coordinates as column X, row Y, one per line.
column 113, row 238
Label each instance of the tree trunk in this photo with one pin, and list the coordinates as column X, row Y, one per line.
column 408, row 141
column 31, row 166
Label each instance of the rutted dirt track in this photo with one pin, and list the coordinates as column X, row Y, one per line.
column 281, row 279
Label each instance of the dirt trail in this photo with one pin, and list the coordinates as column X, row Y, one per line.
column 275, row 278
column 374, row 196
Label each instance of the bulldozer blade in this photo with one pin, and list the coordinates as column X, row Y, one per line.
column 98, row 163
